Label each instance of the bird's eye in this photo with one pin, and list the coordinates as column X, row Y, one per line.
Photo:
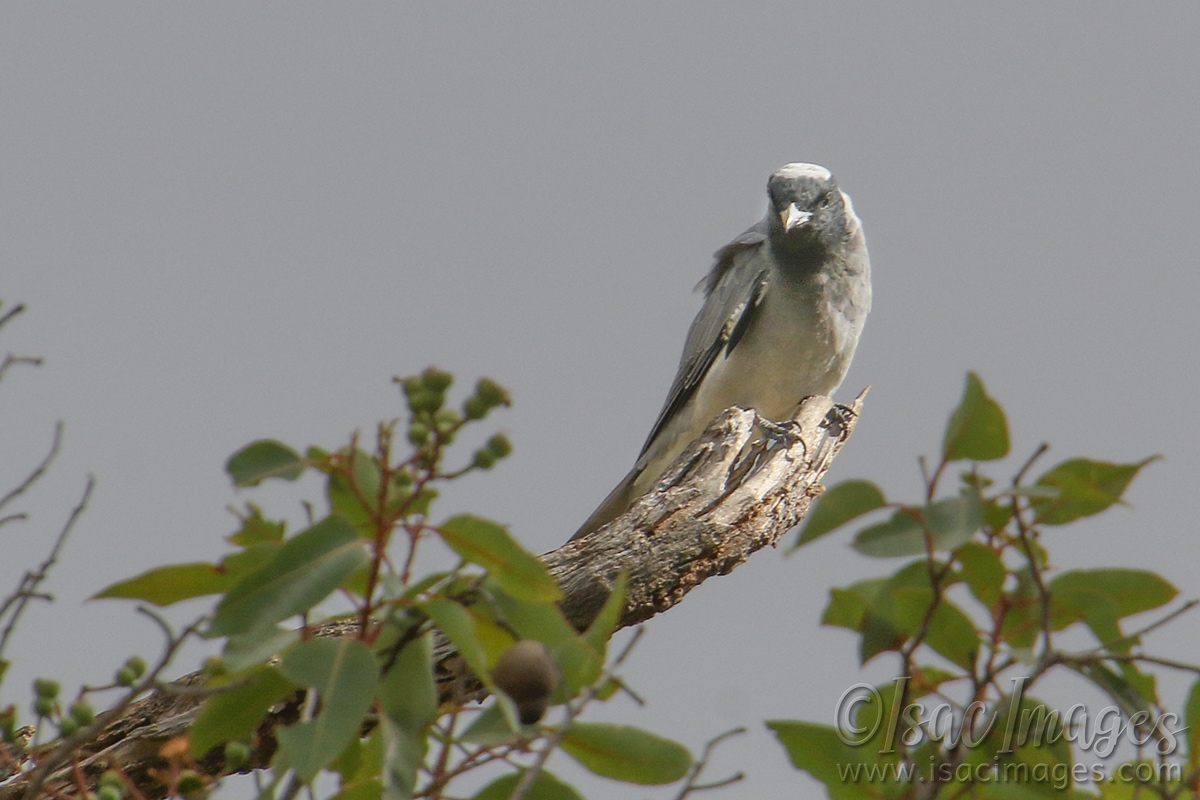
column 826, row 199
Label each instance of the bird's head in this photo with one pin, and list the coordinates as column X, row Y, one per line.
column 808, row 210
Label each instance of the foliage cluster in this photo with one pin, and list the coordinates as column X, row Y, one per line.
column 976, row 614
column 336, row 623
column 379, row 716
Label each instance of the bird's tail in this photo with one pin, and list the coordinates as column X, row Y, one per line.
column 618, row 501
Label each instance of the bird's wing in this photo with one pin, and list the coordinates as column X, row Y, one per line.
column 733, row 291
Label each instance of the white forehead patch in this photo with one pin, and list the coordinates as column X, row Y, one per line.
column 801, row 170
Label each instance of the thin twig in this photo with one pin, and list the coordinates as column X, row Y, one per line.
column 1132, row 658
column 691, row 786
column 27, row 589
column 1035, row 570
column 1020, row 476
column 1133, row 637
column 12, row 312
column 10, row 360
column 39, row 470
column 21, row 517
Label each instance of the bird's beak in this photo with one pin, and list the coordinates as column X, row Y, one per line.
column 792, row 217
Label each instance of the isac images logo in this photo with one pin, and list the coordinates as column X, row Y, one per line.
column 865, row 719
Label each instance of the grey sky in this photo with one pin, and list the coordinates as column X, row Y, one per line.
column 232, row 222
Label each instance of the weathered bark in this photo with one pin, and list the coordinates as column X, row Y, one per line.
column 735, row 490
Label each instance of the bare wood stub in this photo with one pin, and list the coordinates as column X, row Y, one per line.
column 736, row 489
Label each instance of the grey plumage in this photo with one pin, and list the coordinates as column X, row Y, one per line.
column 784, row 305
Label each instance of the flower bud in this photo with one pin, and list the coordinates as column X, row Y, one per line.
column 418, row 433
column 83, row 713
column 499, row 445
column 43, row 687
column 236, row 754
column 436, row 379
column 491, row 393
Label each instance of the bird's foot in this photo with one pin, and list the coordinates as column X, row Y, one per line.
column 788, row 431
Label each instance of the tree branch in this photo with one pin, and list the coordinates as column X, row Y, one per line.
column 735, row 490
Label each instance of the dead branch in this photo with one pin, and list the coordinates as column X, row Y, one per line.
column 735, row 490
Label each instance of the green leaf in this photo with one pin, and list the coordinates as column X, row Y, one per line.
column 901, row 535
column 626, row 753
column 545, row 787
column 954, row 520
column 1023, row 621
column 264, row 459
column 306, row 570
column 579, row 664
column 982, row 571
column 819, row 751
column 170, row 584
column 257, row 529
column 489, row 545
column 247, row 649
column 237, row 712
column 365, row 757
column 403, row 754
column 848, row 607
column 408, row 693
column 349, row 761
column 493, row 637
column 490, row 728
column 950, row 522
column 358, row 508
column 1031, row 733
column 895, row 611
column 996, row 514
column 900, row 606
column 370, row 789
column 605, row 623
column 837, row 506
column 1144, row 683
column 952, row 634
column 1085, row 488
column 344, row 673
column 242, row 562
column 419, row 505
column 1131, row 591
column 1191, row 719
column 977, row 430
column 926, row 679
column 541, row 621
column 1033, row 492
column 1126, row 695
column 459, row 626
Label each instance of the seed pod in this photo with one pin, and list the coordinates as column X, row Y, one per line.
column 436, row 379
column 491, row 393
column 528, row 675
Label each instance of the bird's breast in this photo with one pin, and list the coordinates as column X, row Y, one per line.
column 799, row 344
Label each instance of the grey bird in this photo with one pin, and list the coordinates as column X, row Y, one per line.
column 784, row 305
